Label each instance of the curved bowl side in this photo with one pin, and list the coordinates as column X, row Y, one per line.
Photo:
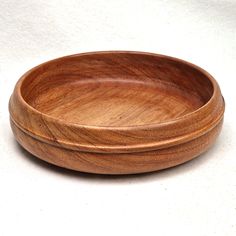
column 123, row 163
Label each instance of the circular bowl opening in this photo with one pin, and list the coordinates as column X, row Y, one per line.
column 116, row 89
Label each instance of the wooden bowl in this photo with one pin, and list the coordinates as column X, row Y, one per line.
column 116, row 112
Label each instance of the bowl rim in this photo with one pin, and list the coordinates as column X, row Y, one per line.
column 204, row 72
column 198, row 131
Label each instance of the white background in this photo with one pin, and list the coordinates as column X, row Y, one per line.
column 197, row 198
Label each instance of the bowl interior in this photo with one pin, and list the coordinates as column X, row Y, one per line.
column 116, row 89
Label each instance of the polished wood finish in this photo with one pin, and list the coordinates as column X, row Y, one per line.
column 116, row 112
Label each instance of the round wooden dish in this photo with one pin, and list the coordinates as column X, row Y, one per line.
column 116, row 112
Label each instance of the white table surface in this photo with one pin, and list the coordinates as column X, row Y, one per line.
column 196, row 198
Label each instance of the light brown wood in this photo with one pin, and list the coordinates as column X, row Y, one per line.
column 116, row 112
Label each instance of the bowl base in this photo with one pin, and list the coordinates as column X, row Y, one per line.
column 117, row 163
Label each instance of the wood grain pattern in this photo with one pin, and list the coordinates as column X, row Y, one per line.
column 116, row 112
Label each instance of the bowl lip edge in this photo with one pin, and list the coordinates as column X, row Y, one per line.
column 132, row 127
